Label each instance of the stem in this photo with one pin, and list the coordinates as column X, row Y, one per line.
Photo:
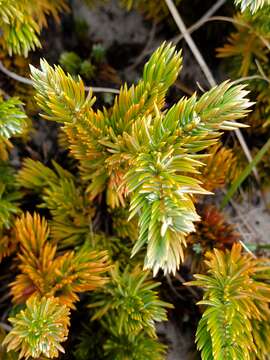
column 169, row 281
column 247, row 249
column 5, row 326
column 252, row 77
column 202, row 21
column 206, row 17
column 193, row 47
column 183, row 281
column 14, row 76
column 145, row 50
column 27, row 81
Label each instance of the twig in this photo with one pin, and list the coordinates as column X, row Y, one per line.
column 97, row 89
column 247, row 249
column 191, row 290
column 241, row 23
column 208, row 74
column 169, row 281
column 145, row 50
column 201, row 21
column 5, row 326
column 208, row 18
column 15, row 76
column 27, row 81
column 193, row 47
column 183, row 87
column 252, row 77
column 261, row 71
column 196, row 25
column 5, row 297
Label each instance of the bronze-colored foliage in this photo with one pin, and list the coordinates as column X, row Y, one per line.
column 213, row 231
column 221, row 168
column 45, row 273
column 61, row 193
column 128, row 197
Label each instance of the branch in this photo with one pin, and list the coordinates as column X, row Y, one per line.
column 145, row 50
column 252, row 77
column 27, row 81
column 15, row 76
column 236, row 22
column 193, row 47
column 206, row 17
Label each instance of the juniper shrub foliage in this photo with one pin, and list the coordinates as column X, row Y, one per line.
column 128, row 204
